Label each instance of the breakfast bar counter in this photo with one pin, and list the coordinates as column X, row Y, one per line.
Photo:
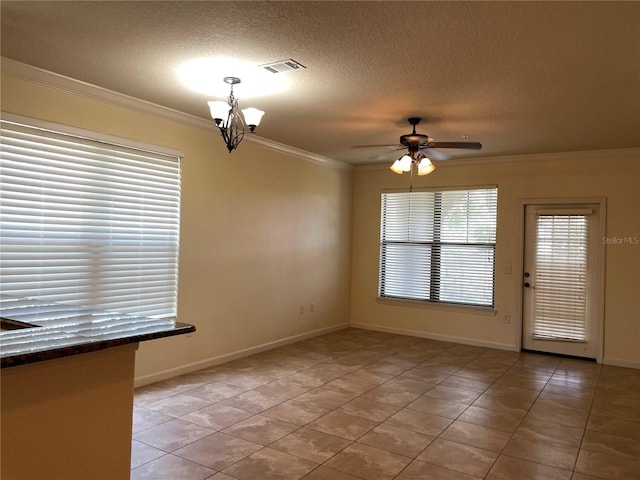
column 67, row 383
column 34, row 330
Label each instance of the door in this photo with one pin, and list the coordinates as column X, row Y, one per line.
column 561, row 279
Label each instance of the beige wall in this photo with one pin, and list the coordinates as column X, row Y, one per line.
column 262, row 233
column 614, row 175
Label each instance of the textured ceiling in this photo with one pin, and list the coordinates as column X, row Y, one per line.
column 520, row 77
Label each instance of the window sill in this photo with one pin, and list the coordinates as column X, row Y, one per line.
column 488, row 311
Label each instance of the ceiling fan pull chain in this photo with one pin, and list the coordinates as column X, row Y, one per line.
column 411, row 179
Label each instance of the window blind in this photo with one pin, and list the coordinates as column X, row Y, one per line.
column 87, row 222
column 560, row 306
column 439, row 246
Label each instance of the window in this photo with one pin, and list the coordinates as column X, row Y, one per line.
column 88, row 222
column 439, row 246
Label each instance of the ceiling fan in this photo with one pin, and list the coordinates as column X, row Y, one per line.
column 415, row 143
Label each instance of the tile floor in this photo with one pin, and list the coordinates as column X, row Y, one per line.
column 358, row 404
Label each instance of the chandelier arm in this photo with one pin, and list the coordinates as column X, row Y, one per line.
column 234, row 140
column 232, row 137
column 234, row 129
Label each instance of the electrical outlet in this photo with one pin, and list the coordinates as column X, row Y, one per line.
column 312, row 307
column 301, row 309
column 506, row 318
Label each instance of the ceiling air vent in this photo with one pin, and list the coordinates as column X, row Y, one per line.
column 282, row 66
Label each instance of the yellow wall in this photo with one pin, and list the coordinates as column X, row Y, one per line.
column 262, row 233
column 614, row 175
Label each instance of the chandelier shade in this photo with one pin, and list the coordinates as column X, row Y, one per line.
column 252, row 117
column 219, row 111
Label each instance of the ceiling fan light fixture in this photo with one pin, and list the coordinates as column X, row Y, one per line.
column 415, row 142
column 425, row 167
column 402, row 165
column 395, row 168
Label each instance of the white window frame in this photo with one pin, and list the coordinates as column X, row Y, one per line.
column 101, row 200
column 409, row 300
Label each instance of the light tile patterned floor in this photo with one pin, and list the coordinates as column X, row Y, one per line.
column 359, row 404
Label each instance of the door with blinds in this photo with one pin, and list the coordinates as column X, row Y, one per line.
column 561, row 279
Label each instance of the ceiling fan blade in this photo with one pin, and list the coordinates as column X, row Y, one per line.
column 435, row 154
column 390, row 145
column 465, row 145
column 386, row 155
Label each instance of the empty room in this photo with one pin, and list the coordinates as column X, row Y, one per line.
column 309, row 240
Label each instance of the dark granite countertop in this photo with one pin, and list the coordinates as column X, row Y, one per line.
column 36, row 330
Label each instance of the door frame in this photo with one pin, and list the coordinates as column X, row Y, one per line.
column 600, row 267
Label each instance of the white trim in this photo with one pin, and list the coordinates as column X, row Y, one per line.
column 614, row 362
column 611, row 154
column 549, row 157
column 40, row 76
column 452, row 307
column 210, row 362
column 296, row 152
column 433, row 336
column 193, row 367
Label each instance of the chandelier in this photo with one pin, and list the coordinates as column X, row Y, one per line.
column 231, row 123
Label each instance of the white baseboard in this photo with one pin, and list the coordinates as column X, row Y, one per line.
column 210, row 362
column 432, row 336
column 621, row 363
column 477, row 343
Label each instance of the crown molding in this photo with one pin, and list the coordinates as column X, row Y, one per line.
column 548, row 157
column 40, row 76
column 612, row 154
column 23, row 71
column 296, row 152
